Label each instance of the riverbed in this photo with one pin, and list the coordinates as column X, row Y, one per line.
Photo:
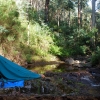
column 60, row 80
column 69, row 80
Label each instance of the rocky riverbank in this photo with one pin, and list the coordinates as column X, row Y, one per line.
column 79, row 83
column 50, row 98
column 73, row 83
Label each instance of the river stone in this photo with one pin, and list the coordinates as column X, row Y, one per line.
column 69, row 61
column 78, row 65
column 76, row 62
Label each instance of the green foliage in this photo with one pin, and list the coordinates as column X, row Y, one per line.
column 55, row 50
column 67, row 52
column 68, row 4
column 98, row 24
column 92, row 32
column 81, row 40
column 10, row 38
column 3, row 29
column 83, row 48
column 9, row 21
column 96, row 57
column 38, row 38
column 68, row 40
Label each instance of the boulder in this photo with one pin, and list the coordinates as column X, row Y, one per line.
column 78, row 65
column 69, row 61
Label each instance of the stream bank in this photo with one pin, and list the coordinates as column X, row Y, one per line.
column 50, row 98
column 63, row 81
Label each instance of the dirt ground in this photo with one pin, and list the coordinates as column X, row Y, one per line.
column 50, row 98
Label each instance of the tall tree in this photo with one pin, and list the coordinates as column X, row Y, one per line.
column 93, row 13
column 47, row 11
column 79, row 13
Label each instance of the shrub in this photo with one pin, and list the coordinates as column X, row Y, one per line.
column 55, row 50
column 96, row 57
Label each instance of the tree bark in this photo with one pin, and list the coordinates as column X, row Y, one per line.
column 93, row 13
column 78, row 14
column 69, row 18
column 81, row 3
column 47, row 11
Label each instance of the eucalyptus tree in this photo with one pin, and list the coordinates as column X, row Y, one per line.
column 37, row 8
column 32, row 9
column 69, row 5
column 80, row 5
column 60, row 10
column 47, row 10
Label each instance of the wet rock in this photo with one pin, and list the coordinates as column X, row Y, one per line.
column 69, row 61
column 95, row 72
column 48, row 97
column 88, row 65
column 76, row 61
column 77, row 65
column 83, row 65
column 59, row 84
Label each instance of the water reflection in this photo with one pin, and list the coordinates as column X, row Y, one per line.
column 66, row 68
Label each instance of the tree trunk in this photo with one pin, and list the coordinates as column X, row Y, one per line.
column 58, row 20
column 93, row 23
column 93, row 13
column 78, row 14
column 69, row 18
column 81, row 13
column 46, row 11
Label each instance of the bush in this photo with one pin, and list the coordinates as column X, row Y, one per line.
column 96, row 57
column 55, row 50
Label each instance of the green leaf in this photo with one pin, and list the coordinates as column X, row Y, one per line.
column 10, row 38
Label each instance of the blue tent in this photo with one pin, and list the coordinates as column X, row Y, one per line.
column 10, row 73
column 12, row 84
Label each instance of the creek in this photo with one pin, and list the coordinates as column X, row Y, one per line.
column 68, row 80
column 61, row 80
